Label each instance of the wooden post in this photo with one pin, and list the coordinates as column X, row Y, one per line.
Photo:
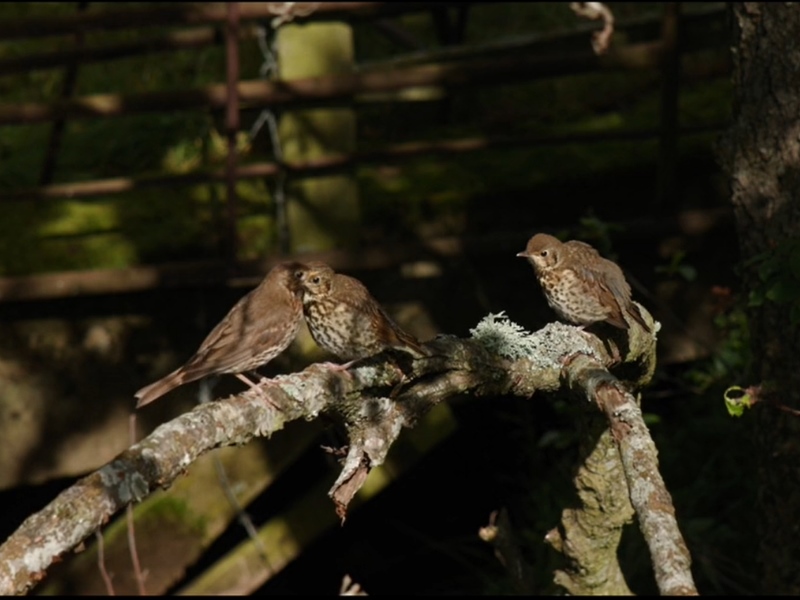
column 323, row 213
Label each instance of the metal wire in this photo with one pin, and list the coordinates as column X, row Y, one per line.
column 267, row 44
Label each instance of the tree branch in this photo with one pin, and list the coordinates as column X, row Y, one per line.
column 588, row 535
column 376, row 398
column 648, row 494
column 500, row 534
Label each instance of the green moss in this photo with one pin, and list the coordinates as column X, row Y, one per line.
column 424, row 196
column 169, row 509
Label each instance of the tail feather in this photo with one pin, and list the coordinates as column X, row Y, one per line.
column 633, row 311
column 155, row 390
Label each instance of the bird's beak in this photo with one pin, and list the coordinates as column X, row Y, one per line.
column 522, row 254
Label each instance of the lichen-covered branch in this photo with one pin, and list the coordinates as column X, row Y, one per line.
column 161, row 457
column 648, row 494
column 589, row 534
column 376, row 398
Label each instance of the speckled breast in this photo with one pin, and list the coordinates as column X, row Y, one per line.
column 341, row 330
column 571, row 298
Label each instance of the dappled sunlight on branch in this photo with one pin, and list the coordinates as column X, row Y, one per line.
column 375, row 398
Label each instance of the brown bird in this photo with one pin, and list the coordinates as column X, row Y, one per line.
column 258, row 328
column 579, row 284
column 345, row 319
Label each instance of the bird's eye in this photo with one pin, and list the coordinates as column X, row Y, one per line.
column 316, row 279
column 298, row 274
column 543, row 253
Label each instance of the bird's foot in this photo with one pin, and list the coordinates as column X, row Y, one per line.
column 332, row 366
column 261, row 392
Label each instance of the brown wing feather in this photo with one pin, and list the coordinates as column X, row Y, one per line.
column 155, row 390
column 226, row 347
column 259, row 326
column 390, row 332
column 609, row 281
column 399, row 338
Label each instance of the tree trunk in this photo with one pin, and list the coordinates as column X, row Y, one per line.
column 762, row 156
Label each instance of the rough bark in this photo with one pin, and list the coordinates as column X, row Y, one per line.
column 762, row 156
column 376, row 399
column 175, row 528
column 589, row 534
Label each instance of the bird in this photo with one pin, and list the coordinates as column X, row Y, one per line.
column 260, row 326
column 581, row 286
column 345, row 319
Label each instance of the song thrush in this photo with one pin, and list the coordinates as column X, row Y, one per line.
column 258, row 328
column 579, row 284
column 345, row 319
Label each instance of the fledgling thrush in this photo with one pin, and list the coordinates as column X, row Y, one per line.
column 345, row 319
column 259, row 327
column 581, row 286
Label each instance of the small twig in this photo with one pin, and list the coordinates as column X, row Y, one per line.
column 785, row 408
column 738, row 398
column 648, row 493
column 455, row 366
column 350, row 588
column 101, row 563
column 203, row 396
column 137, row 567
column 241, row 514
column 501, row 536
column 287, row 11
column 597, row 10
column 339, row 453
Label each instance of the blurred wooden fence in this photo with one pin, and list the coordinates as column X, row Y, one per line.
column 658, row 45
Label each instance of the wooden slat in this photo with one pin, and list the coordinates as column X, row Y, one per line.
column 215, row 273
column 199, row 274
column 333, row 90
column 333, row 165
column 173, row 40
column 697, row 22
column 201, row 13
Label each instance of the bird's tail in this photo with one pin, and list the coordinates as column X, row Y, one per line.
column 155, row 390
column 634, row 311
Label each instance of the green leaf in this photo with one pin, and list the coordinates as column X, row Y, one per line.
column 785, row 290
column 756, row 298
column 651, row 419
column 736, row 400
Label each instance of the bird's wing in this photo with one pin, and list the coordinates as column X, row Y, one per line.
column 608, row 281
column 360, row 298
column 604, row 278
column 242, row 334
column 403, row 338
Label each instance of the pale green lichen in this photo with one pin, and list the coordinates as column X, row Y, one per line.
column 544, row 347
column 499, row 335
